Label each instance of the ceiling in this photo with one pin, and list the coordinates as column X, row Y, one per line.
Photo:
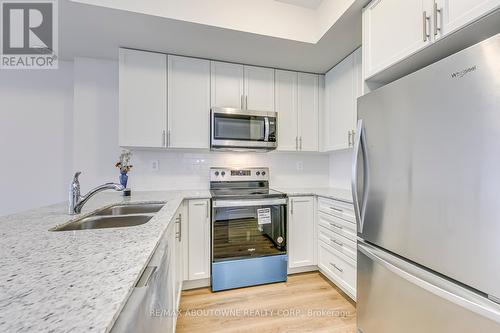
column 97, row 32
column 311, row 4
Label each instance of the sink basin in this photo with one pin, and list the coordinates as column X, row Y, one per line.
column 102, row 222
column 131, row 209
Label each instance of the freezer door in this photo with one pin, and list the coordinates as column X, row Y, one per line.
column 430, row 166
column 395, row 296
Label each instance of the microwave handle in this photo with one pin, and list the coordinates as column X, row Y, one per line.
column 266, row 129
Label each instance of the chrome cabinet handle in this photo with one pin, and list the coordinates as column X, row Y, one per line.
column 164, row 138
column 168, row 138
column 336, row 226
column 246, row 102
column 436, row 12
column 179, row 222
column 241, row 102
column 425, row 21
column 349, row 138
column 337, row 268
column 336, row 242
column 291, row 207
column 337, row 209
column 300, row 140
column 296, row 143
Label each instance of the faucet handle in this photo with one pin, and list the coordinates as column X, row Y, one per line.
column 75, row 177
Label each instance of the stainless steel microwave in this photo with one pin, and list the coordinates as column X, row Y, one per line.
column 235, row 129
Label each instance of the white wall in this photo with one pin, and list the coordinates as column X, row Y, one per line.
column 340, row 169
column 96, row 145
column 35, row 137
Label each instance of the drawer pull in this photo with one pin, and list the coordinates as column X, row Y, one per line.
column 337, row 209
column 336, row 226
column 337, row 268
column 337, row 242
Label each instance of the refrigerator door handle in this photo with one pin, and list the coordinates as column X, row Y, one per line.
column 360, row 207
column 433, row 283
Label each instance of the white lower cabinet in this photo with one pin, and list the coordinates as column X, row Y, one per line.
column 199, row 239
column 301, row 232
column 337, row 249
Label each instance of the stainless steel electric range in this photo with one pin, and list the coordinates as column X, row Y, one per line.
column 248, row 229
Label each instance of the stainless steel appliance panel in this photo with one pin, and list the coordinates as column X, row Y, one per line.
column 395, row 296
column 431, row 169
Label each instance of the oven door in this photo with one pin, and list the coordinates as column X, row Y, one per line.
column 233, row 128
column 244, row 229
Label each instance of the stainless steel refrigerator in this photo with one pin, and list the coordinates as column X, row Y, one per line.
column 426, row 188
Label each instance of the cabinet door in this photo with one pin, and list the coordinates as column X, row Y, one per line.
column 341, row 105
column 142, row 98
column 452, row 15
column 393, row 30
column 286, row 106
column 259, row 88
column 188, row 102
column 199, row 239
column 226, row 85
column 308, row 110
column 301, row 232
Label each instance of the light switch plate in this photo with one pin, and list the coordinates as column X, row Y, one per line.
column 155, row 165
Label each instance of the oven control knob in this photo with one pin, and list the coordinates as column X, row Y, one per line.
column 257, row 173
column 263, row 173
column 280, row 239
column 216, row 173
column 223, row 173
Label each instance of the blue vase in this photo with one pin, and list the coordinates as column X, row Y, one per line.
column 123, row 179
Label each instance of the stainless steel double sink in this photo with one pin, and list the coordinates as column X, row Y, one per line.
column 116, row 216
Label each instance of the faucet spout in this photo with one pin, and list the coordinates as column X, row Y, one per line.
column 76, row 201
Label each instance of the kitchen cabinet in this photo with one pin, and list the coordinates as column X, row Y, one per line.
column 259, row 88
column 395, row 30
column 297, row 104
column 343, row 85
column 242, row 87
column 142, row 99
column 199, row 239
column 188, row 100
column 451, row 15
column 226, row 85
column 286, row 106
column 302, row 238
column 308, row 109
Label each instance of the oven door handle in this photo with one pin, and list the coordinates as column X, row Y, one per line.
column 248, row 203
column 266, row 129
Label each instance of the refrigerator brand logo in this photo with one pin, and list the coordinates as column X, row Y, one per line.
column 462, row 73
column 29, row 34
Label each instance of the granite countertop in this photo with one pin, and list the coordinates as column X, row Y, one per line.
column 75, row 281
column 326, row 192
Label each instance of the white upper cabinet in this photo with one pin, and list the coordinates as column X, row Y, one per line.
column 297, row 104
column 342, row 88
column 142, row 99
column 227, row 85
column 242, row 87
column 393, row 30
column 308, row 110
column 286, row 106
column 302, row 238
column 188, row 102
column 451, row 15
column 259, row 88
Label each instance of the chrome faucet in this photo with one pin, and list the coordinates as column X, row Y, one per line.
column 76, row 201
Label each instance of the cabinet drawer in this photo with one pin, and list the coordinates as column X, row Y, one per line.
column 339, row 243
column 337, row 208
column 339, row 266
column 339, row 226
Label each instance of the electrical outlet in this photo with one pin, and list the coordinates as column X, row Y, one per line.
column 155, row 165
column 300, row 166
